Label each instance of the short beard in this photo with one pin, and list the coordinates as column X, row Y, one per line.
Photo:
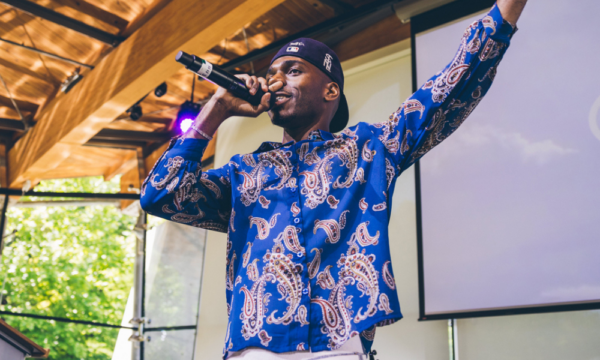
column 292, row 120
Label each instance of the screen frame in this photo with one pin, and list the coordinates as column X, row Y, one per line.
column 421, row 23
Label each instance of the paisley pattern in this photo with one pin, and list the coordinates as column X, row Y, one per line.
column 263, row 226
column 290, row 239
column 313, row 266
column 387, row 276
column 307, row 222
column 359, row 267
column 332, row 228
column 384, row 304
column 325, row 280
column 332, row 201
column 295, row 209
column 246, row 256
column 230, row 272
column 363, row 205
column 367, row 155
column 264, row 202
column 362, row 237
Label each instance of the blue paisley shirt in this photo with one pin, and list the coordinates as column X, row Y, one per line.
column 308, row 259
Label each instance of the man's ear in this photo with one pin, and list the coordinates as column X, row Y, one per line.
column 332, row 92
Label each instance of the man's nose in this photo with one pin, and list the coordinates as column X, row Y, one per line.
column 277, row 77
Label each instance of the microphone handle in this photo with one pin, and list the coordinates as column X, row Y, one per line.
column 220, row 77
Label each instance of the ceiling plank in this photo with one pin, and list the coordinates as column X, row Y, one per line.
column 127, row 163
column 383, row 33
column 134, row 68
column 24, row 106
column 60, row 19
column 26, row 71
column 147, row 14
column 95, row 12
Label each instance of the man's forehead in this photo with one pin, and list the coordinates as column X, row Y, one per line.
column 287, row 61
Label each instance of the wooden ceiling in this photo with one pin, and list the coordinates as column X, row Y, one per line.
column 34, row 80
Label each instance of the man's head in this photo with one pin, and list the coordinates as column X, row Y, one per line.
column 313, row 84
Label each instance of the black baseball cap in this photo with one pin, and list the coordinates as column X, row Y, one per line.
column 326, row 60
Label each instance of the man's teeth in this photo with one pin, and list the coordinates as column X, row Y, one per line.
column 280, row 98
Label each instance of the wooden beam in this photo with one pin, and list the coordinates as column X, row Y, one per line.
column 26, row 71
column 130, row 184
column 126, row 164
column 95, row 12
column 385, row 32
column 24, row 106
column 135, row 67
column 63, row 20
column 3, row 177
column 147, row 14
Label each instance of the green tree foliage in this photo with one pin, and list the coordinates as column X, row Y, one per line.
column 69, row 261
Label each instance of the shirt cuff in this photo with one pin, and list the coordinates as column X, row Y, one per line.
column 497, row 28
column 187, row 148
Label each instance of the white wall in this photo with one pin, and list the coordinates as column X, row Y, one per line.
column 553, row 336
column 376, row 84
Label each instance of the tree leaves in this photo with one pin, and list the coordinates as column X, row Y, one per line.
column 74, row 262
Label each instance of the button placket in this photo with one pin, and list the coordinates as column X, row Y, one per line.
column 297, row 222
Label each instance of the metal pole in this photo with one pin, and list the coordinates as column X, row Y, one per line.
column 3, row 224
column 83, row 195
column 138, row 288
column 143, row 294
column 454, row 331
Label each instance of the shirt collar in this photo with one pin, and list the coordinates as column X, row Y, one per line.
column 315, row 135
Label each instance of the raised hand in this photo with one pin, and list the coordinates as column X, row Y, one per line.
column 511, row 9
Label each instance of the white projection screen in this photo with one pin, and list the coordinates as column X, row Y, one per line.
column 510, row 203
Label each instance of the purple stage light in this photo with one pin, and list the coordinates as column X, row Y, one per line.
column 186, row 124
column 186, row 115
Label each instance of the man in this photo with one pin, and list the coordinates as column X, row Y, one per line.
column 308, row 262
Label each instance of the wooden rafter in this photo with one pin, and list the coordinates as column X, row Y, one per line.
column 24, row 106
column 26, row 71
column 134, row 68
column 95, row 12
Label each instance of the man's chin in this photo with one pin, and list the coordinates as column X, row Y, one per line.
column 280, row 117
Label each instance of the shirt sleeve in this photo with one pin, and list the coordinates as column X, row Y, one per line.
column 178, row 190
column 441, row 105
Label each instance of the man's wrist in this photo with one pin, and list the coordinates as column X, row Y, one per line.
column 212, row 115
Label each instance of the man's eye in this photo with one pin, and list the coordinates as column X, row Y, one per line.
column 295, row 71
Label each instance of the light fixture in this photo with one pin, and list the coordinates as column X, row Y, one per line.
column 70, row 81
column 186, row 116
column 160, row 90
column 135, row 112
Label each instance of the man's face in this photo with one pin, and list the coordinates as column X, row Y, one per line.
column 300, row 100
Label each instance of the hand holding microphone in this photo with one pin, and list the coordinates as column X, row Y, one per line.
column 238, row 95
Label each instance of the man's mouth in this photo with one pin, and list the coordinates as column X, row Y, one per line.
column 281, row 97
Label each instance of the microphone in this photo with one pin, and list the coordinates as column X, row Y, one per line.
column 220, row 77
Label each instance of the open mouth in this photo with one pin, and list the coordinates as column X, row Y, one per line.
column 280, row 98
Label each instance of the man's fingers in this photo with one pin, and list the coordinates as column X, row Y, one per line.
column 254, row 86
column 265, row 102
column 263, row 84
column 275, row 86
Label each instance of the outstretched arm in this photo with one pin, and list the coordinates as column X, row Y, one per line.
column 441, row 105
column 511, row 9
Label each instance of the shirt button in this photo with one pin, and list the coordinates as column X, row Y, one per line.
column 293, row 189
column 299, row 254
column 305, row 291
column 296, row 220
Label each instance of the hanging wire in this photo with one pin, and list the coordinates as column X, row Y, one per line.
column 248, row 49
column 33, row 46
column 14, row 103
column 222, row 53
column 193, row 86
